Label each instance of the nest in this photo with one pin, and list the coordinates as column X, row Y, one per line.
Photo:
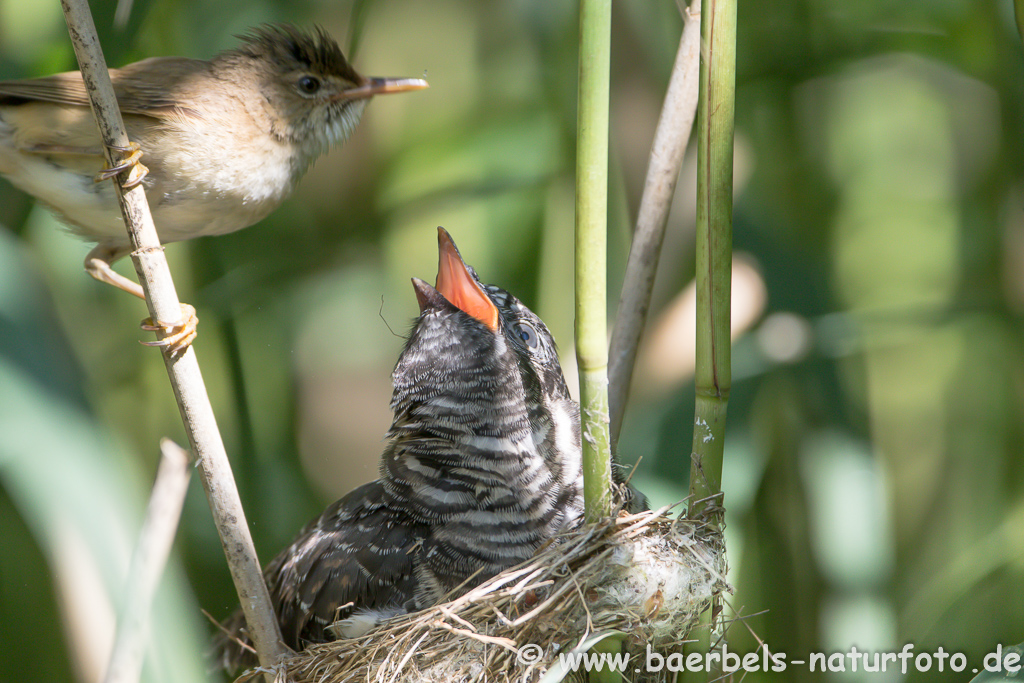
column 645, row 576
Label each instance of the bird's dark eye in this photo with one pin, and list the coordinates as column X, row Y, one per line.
column 527, row 334
column 309, row 84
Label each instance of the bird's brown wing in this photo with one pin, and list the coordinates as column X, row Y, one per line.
column 68, row 133
column 142, row 88
column 358, row 551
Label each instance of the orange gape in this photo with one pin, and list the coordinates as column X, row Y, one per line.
column 460, row 288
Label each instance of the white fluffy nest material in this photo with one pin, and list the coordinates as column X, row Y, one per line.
column 646, row 575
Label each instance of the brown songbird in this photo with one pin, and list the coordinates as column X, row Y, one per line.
column 224, row 141
column 481, row 466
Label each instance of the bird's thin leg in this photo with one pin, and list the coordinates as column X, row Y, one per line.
column 129, row 163
column 177, row 336
column 97, row 264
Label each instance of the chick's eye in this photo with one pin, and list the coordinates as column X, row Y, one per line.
column 527, row 334
column 309, row 84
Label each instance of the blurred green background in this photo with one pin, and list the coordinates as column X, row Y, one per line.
column 873, row 470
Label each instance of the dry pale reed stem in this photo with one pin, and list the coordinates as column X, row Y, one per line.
column 186, row 379
column 148, row 561
column 674, row 125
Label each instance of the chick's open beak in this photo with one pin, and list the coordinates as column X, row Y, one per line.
column 456, row 284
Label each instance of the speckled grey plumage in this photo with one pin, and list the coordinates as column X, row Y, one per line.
column 481, row 466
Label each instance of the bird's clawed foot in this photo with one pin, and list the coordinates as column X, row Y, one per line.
column 178, row 336
column 131, row 162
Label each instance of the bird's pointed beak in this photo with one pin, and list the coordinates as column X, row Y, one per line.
column 382, row 86
column 426, row 295
column 456, row 284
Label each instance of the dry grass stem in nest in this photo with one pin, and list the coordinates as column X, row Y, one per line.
column 647, row 576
